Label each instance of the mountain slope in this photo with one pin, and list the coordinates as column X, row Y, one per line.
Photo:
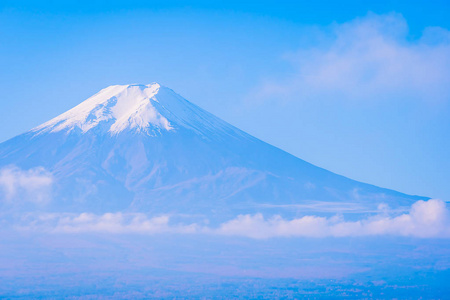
column 145, row 148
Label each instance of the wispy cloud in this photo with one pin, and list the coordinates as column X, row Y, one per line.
column 425, row 219
column 370, row 58
column 109, row 223
column 32, row 185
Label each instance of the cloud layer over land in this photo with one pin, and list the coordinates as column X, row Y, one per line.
column 425, row 219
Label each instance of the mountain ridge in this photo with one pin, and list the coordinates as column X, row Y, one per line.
column 106, row 159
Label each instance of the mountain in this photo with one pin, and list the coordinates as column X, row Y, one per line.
column 145, row 148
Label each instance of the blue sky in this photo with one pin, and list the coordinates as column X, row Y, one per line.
column 361, row 89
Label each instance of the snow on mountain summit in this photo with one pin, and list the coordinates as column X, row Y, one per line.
column 150, row 109
column 120, row 106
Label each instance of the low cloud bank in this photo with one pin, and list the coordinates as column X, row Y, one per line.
column 121, row 223
column 33, row 185
column 425, row 219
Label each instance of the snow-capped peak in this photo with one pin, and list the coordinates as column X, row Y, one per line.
column 119, row 107
column 149, row 109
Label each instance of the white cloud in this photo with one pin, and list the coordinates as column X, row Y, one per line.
column 425, row 219
column 32, row 185
column 370, row 58
column 108, row 222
